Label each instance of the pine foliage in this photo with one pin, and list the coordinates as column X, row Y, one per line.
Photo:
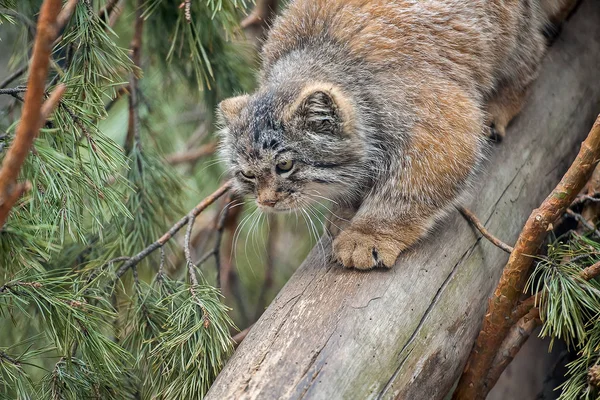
column 570, row 308
column 69, row 328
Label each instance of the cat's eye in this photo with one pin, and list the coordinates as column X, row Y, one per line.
column 285, row 166
column 248, row 174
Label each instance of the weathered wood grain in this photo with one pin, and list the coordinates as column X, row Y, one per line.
column 405, row 333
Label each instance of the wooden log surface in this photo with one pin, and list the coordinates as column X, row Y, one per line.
column 405, row 333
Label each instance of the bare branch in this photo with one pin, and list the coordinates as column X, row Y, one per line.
column 192, row 155
column 469, row 216
column 13, row 76
column 579, row 218
column 52, row 101
column 65, row 14
column 11, row 91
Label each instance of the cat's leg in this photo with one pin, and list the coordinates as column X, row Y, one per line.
column 445, row 151
column 377, row 239
column 519, row 70
column 505, row 104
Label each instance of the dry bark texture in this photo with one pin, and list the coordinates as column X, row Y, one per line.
column 333, row 333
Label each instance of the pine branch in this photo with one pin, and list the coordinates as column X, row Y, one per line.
column 174, row 229
column 587, row 274
column 496, row 324
column 31, row 119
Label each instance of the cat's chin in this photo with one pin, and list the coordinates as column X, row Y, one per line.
column 273, row 210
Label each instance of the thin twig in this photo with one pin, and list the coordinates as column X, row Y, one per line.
column 188, row 252
column 579, row 218
column 470, row 217
column 52, row 101
column 65, row 15
column 31, row 118
column 174, row 229
column 262, row 14
column 219, row 239
column 582, row 198
column 192, row 155
column 11, row 360
column 11, row 91
column 161, row 267
column 107, row 10
column 13, row 76
column 133, row 127
column 268, row 280
column 497, row 322
column 216, row 249
column 240, row 336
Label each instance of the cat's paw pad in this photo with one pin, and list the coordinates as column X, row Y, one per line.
column 354, row 249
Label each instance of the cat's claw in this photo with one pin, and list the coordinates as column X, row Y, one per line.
column 354, row 249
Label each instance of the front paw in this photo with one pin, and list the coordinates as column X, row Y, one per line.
column 359, row 249
column 496, row 132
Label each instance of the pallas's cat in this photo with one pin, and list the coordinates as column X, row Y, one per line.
column 382, row 107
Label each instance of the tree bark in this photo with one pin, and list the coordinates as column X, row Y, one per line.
column 405, row 333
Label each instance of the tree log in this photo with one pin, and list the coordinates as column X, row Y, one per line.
column 405, row 333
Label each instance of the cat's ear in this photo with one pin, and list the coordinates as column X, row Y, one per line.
column 324, row 109
column 231, row 107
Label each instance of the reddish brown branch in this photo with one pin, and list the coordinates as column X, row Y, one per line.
column 192, row 155
column 31, row 118
column 516, row 338
column 469, row 216
column 497, row 321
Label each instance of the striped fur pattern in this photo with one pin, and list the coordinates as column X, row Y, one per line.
column 382, row 107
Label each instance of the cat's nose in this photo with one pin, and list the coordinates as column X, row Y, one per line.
column 268, row 203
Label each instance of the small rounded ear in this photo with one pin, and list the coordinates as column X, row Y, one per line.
column 323, row 109
column 231, row 107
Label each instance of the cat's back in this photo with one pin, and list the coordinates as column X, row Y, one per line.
column 379, row 30
column 465, row 40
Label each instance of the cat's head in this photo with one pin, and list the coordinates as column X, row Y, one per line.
column 291, row 147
